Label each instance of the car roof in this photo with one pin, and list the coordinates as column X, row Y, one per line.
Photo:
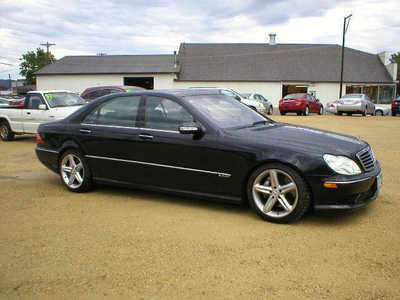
column 181, row 92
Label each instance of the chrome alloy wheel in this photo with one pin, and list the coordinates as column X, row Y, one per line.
column 4, row 131
column 72, row 171
column 275, row 193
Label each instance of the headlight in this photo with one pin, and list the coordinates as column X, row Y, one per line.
column 342, row 164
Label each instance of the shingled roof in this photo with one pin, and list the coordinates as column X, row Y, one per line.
column 237, row 62
column 111, row 64
column 280, row 62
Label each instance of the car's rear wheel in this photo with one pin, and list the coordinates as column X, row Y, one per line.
column 278, row 193
column 270, row 110
column 364, row 113
column 6, row 133
column 306, row 111
column 321, row 111
column 74, row 171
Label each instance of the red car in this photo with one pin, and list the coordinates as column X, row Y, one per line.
column 95, row 92
column 301, row 103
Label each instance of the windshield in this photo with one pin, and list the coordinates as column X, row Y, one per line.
column 293, row 96
column 226, row 112
column 62, row 99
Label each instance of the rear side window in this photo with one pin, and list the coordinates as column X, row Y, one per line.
column 120, row 111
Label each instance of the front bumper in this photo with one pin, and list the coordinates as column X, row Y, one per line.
column 350, row 193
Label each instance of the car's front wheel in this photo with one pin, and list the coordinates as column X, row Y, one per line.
column 74, row 171
column 278, row 193
column 6, row 133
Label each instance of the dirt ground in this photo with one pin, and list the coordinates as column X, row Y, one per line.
column 119, row 243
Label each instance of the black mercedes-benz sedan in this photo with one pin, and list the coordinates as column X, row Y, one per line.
column 200, row 143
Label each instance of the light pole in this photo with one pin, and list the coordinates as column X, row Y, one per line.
column 345, row 26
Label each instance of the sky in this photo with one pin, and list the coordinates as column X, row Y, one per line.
column 158, row 26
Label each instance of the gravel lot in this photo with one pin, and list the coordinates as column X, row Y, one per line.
column 120, row 243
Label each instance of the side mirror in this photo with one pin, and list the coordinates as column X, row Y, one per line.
column 237, row 98
column 189, row 128
column 42, row 106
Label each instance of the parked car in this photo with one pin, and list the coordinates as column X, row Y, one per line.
column 331, row 107
column 201, row 143
column 396, row 106
column 381, row 110
column 300, row 103
column 18, row 101
column 355, row 104
column 39, row 107
column 253, row 104
column 96, row 92
column 267, row 104
column 4, row 102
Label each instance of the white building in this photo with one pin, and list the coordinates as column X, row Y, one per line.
column 273, row 70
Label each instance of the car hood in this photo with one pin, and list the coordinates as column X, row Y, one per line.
column 62, row 112
column 299, row 138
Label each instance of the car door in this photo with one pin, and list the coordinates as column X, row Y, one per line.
column 173, row 160
column 109, row 138
column 32, row 116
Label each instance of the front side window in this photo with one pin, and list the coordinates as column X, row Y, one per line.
column 63, row 99
column 34, row 102
column 225, row 111
column 120, row 111
column 165, row 114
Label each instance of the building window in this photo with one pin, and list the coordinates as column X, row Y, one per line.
column 379, row 94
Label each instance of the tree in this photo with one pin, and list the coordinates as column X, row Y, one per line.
column 31, row 62
column 396, row 59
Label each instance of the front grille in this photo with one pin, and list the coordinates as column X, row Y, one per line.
column 367, row 159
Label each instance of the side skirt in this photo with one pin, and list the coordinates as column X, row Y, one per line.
column 213, row 197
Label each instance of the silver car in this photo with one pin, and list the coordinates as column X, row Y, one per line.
column 355, row 104
column 258, row 97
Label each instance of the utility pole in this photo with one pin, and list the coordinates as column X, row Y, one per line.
column 47, row 45
column 345, row 26
column 9, row 82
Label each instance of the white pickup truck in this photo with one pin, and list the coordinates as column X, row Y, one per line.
column 39, row 107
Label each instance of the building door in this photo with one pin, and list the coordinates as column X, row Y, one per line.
column 293, row 89
column 144, row 82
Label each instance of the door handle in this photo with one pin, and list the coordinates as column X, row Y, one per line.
column 28, row 113
column 146, row 136
column 85, row 131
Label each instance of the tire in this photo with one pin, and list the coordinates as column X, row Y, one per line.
column 378, row 113
column 364, row 113
column 306, row 111
column 75, row 162
column 321, row 111
column 6, row 133
column 270, row 110
column 261, row 189
column 393, row 114
column 283, row 113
